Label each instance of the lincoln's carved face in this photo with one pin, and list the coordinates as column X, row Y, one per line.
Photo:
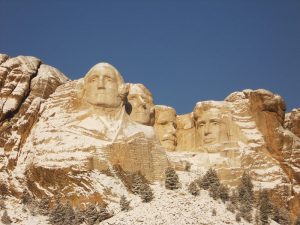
column 141, row 103
column 208, row 126
column 165, row 127
column 101, row 86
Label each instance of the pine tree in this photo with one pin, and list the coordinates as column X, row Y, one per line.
column 297, row 222
column 103, row 215
column 43, row 206
column 246, row 197
column 246, row 208
column 257, row 218
column 214, row 191
column 275, row 214
column 245, row 189
column 3, row 190
column 5, row 218
column 213, row 177
column 265, row 207
column 193, row 188
column 91, row 214
column 79, row 216
column 2, row 204
column 124, row 203
column 210, row 178
column 33, row 207
column 234, row 199
column 69, row 214
column 238, row 217
column 204, row 183
column 26, row 198
column 57, row 214
column 246, row 211
column 172, row 180
column 214, row 212
column 146, row 193
column 223, row 193
column 199, row 182
column 281, row 215
column 230, row 207
column 136, row 184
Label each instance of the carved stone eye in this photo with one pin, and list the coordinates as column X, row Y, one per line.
column 163, row 123
column 109, row 79
column 201, row 124
column 92, row 79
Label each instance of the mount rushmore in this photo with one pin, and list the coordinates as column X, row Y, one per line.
column 62, row 135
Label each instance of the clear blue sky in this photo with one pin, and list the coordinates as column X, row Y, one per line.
column 183, row 51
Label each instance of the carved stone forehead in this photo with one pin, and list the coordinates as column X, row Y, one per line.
column 101, row 66
column 165, row 112
column 139, row 89
column 185, row 121
column 215, row 107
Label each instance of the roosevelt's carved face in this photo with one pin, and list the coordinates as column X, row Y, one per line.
column 141, row 103
column 101, row 86
column 185, row 122
column 208, row 126
column 165, row 127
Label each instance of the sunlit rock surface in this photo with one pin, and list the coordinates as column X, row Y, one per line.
column 83, row 127
column 25, row 82
column 58, row 135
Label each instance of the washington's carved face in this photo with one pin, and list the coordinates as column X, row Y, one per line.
column 101, row 86
column 208, row 126
column 165, row 127
column 141, row 102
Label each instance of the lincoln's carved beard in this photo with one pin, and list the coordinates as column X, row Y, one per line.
column 101, row 87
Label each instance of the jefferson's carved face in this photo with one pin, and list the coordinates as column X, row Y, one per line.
column 165, row 127
column 141, row 102
column 101, row 86
column 208, row 126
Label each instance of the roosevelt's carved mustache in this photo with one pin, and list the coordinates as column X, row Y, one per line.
column 208, row 139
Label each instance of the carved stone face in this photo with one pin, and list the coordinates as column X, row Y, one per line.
column 165, row 126
column 141, row 103
column 214, row 127
column 208, row 126
column 185, row 122
column 101, row 86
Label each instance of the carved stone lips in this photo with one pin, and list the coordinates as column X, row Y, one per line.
column 169, row 138
column 208, row 140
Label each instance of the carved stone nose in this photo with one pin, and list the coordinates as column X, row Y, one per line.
column 100, row 84
column 206, row 130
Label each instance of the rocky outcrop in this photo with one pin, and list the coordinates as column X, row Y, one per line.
column 245, row 132
column 70, row 136
column 292, row 121
column 25, row 82
column 82, row 131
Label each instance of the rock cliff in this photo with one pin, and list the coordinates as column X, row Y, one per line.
column 58, row 135
column 245, row 132
column 25, row 83
column 83, row 130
